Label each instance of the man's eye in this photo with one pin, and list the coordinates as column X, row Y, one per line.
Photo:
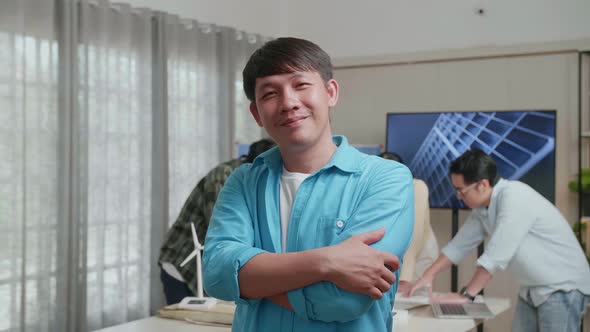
column 268, row 95
column 302, row 84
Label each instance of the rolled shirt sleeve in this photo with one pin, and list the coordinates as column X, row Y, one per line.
column 229, row 244
column 469, row 236
column 387, row 202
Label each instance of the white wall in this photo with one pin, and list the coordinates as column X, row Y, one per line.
column 266, row 17
column 360, row 28
column 374, row 27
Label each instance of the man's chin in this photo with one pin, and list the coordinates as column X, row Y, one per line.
column 297, row 142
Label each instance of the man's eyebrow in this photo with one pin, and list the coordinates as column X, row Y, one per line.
column 270, row 84
column 264, row 85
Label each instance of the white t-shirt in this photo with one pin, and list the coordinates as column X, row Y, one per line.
column 290, row 182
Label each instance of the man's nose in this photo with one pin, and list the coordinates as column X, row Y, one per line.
column 290, row 100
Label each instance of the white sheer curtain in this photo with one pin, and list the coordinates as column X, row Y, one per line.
column 202, row 59
column 113, row 136
column 245, row 128
column 29, row 187
column 108, row 117
column 193, row 88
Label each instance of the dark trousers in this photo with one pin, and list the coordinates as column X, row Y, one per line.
column 174, row 290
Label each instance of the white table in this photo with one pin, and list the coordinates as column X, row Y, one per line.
column 158, row 324
column 420, row 319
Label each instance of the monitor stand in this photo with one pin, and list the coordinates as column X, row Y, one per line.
column 454, row 269
column 454, row 230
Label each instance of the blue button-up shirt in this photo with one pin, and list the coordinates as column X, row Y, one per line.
column 353, row 193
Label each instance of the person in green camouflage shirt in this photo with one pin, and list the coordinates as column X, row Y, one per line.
column 177, row 281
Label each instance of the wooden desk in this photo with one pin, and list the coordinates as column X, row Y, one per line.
column 420, row 319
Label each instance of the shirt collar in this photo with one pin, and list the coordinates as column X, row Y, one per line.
column 346, row 157
column 496, row 190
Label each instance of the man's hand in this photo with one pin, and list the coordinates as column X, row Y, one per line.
column 281, row 300
column 403, row 287
column 356, row 267
column 423, row 283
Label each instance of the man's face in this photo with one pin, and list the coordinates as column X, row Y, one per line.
column 294, row 108
column 471, row 194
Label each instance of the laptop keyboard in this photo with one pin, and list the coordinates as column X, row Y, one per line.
column 452, row 309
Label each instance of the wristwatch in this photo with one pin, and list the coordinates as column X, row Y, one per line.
column 465, row 293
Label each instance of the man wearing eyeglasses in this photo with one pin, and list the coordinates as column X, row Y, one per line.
column 527, row 234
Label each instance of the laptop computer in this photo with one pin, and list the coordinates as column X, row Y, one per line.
column 462, row 311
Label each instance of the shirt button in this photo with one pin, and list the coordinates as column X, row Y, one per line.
column 339, row 223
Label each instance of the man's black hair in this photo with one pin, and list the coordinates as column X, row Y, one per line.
column 285, row 55
column 475, row 165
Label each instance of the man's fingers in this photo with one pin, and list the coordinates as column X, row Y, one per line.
column 371, row 236
column 383, row 285
column 375, row 293
column 406, row 292
column 387, row 275
column 415, row 287
column 391, row 260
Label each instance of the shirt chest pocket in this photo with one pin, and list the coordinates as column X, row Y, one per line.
column 329, row 230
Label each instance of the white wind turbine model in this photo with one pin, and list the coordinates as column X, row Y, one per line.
column 191, row 302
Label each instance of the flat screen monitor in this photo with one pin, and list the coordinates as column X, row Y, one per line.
column 521, row 142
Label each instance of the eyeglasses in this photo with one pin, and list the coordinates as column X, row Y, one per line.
column 464, row 191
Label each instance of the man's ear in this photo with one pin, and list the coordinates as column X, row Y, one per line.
column 332, row 87
column 254, row 112
column 485, row 183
